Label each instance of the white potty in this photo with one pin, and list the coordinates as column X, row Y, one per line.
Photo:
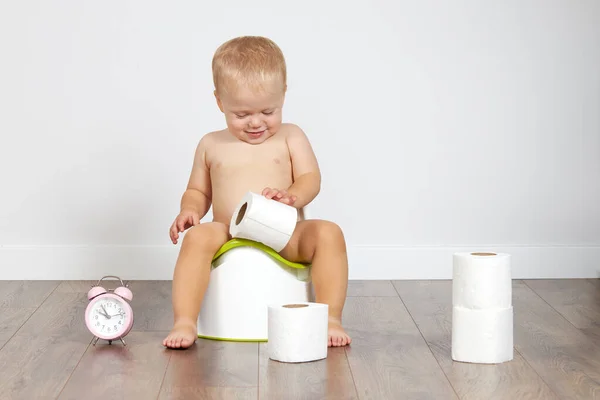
column 246, row 277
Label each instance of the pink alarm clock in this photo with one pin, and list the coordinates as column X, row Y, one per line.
column 108, row 315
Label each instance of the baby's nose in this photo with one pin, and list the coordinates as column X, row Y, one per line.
column 255, row 122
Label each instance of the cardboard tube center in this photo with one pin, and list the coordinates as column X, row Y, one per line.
column 295, row 305
column 483, row 254
column 241, row 214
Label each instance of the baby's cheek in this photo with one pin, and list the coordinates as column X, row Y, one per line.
column 237, row 124
column 274, row 122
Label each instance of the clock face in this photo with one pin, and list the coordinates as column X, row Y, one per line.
column 108, row 316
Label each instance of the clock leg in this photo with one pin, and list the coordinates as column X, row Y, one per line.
column 122, row 341
column 95, row 340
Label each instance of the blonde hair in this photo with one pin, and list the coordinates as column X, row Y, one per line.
column 248, row 60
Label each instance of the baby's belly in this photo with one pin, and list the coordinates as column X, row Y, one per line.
column 229, row 188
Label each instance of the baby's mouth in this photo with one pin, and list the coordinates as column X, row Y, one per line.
column 255, row 134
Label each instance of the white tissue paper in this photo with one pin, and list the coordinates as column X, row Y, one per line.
column 482, row 336
column 482, row 312
column 481, row 280
column 297, row 332
column 263, row 220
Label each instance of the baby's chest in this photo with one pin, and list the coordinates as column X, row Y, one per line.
column 250, row 157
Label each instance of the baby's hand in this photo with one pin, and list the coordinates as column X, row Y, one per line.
column 281, row 196
column 186, row 219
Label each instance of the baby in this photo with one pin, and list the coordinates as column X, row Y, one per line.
column 258, row 153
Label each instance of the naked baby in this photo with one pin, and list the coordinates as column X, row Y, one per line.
column 256, row 152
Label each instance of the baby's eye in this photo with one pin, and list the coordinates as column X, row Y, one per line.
column 267, row 112
column 240, row 115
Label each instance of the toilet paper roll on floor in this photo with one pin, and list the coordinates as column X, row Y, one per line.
column 481, row 280
column 297, row 332
column 263, row 220
column 482, row 336
column 482, row 312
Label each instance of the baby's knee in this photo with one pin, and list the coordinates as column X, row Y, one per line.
column 329, row 231
column 205, row 236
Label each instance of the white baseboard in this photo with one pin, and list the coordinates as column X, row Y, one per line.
column 427, row 262
column 366, row 262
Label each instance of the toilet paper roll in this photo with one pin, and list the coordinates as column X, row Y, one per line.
column 481, row 280
column 482, row 336
column 263, row 220
column 297, row 332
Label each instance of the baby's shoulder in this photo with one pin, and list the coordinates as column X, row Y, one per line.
column 290, row 131
column 211, row 139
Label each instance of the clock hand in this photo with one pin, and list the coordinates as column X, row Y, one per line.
column 105, row 312
column 114, row 315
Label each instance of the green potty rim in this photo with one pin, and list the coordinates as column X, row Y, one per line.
column 223, row 339
column 237, row 242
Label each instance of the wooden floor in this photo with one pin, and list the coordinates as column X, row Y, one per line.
column 401, row 334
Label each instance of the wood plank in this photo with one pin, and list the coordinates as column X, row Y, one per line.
column 564, row 357
column 388, row 357
column 152, row 305
column 430, row 305
column 25, row 294
column 330, row 378
column 11, row 320
column 213, row 369
column 75, row 286
column 115, row 371
column 375, row 288
column 578, row 300
column 37, row 361
column 593, row 334
column 210, row 393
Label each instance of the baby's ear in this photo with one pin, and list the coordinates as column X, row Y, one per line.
column 218, row 101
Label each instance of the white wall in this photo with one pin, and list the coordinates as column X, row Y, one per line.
column 439, row 126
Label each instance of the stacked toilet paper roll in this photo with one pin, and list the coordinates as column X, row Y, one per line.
column 482, row 312
column 297, row 332
column 263, row 220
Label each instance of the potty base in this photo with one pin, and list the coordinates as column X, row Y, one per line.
column 243, row 282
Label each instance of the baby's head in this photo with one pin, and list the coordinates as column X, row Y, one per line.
column 250, row 80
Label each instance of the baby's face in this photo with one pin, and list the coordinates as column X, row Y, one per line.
column 253, row 116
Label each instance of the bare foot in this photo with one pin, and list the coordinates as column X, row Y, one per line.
column 337, row 335
column 182, row 336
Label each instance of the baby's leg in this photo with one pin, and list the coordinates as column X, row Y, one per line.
column 322, row 244
column 190, row 280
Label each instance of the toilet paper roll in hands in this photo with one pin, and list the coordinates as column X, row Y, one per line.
column 263, row 220
column 297, row 332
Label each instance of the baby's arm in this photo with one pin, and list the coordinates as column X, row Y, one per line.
column 196, row 200
column 305, row 168
column 197, row 196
